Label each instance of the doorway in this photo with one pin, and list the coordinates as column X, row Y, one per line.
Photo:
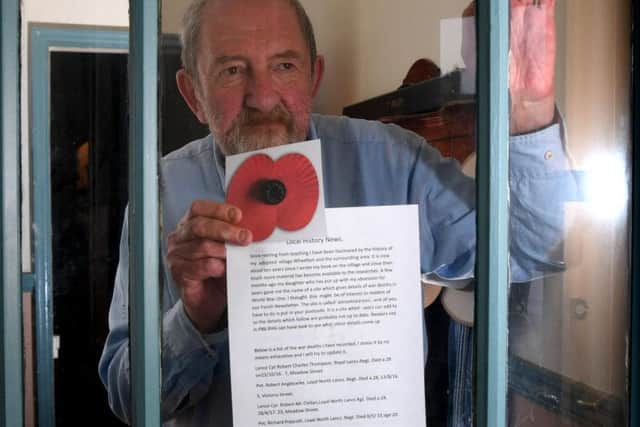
column 89, row 135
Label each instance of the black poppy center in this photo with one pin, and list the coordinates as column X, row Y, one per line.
column 272, row 191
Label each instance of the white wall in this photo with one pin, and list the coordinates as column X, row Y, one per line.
column 84, row 12
column 369, row 45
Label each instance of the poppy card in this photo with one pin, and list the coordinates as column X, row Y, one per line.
column 279, row 191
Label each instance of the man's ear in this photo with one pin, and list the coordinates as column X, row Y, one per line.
column 187, row 88
column 318, row 72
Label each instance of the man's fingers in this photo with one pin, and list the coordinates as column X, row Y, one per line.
column 212, row 229
column 206, row 219
column 470, row 10
column 196, row 249
column 191, row 271
column 210, row 209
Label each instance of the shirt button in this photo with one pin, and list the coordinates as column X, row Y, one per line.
column 548, row 155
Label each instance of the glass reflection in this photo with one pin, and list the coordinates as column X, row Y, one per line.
column 568, row 332
column 362, row 62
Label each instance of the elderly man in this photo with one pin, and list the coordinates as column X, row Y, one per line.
column 251, row 72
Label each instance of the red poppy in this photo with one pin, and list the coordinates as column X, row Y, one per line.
column 282, row 193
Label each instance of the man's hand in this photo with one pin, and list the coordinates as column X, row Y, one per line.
column 196, row 256
column 532, row 64
column 532, row 56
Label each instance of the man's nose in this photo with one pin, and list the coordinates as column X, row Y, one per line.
column 261, row 92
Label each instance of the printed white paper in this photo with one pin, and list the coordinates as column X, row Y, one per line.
column 328, row 331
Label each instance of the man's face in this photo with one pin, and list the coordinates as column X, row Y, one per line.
column 254, row 82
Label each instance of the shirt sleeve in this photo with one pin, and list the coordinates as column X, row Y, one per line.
column 190, row 361
column 540, row 182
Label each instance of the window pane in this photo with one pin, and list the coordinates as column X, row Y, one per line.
column 568, row 332
column 76, row 136
column 370, row 48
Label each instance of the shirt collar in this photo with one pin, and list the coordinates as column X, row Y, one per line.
column 313, row 132
column 218, row 161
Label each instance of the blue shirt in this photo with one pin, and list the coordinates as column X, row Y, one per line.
column 364, row 163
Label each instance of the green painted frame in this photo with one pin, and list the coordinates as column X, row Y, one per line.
column 144, row 248
column 11, row 367
column 491, row 296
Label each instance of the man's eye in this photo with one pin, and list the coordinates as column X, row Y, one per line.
column 232, row 71
column 286, row 66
